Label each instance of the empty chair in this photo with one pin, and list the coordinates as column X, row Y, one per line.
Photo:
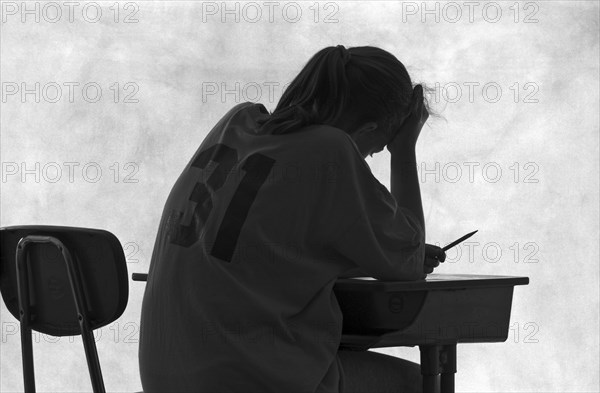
column 62, row 281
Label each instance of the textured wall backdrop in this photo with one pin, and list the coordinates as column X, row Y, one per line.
column 103, row 104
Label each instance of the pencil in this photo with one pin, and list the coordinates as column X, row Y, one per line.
column 454, row 243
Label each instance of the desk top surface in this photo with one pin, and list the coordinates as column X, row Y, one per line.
column 432, row 282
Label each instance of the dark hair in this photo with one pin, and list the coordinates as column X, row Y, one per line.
column 365, row 81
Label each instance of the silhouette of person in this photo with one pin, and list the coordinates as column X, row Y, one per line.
column 270, row 211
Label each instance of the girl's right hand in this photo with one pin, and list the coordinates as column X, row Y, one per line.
column 433, row 256
column 409, row 131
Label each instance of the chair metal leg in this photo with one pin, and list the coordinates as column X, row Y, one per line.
column 91, row 354
column 89, row 344
column 24, row 313
column 27, row 357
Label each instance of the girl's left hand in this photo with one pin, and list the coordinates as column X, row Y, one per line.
column 407, row 134
column 433, row 256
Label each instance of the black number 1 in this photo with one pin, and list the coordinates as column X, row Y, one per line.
column 257, row 168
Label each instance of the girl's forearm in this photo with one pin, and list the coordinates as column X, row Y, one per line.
column 405, row 182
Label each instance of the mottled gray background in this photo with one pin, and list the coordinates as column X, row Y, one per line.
column 516, row 157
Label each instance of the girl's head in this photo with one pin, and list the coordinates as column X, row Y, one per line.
column 364, row 91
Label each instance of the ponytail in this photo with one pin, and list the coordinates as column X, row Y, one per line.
column 317, row 95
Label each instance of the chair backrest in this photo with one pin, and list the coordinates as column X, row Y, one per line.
column 62, row 281
column 101, row 263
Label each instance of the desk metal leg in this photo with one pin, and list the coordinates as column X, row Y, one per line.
column 447, row 383
column 436, row 359
column 448, row 359
column 431, row 384
column 430, row 368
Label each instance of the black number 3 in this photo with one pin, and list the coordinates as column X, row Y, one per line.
column 257, row 168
